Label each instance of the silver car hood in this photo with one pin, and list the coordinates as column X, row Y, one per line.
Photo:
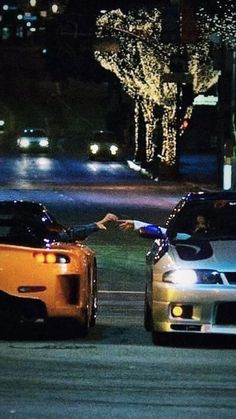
column 219, row 255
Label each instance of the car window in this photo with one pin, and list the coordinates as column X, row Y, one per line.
column 34, row 133
column 220, row 216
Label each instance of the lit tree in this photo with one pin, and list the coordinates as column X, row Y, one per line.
column 220, row 23
column 131, row 47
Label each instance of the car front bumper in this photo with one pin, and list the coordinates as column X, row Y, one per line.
column 194, row 310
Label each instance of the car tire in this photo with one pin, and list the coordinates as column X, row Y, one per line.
column 84, row 325
column 93, row 317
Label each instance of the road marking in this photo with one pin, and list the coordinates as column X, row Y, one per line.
column 120, row 292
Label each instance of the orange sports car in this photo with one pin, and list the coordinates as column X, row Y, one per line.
column 45, row 272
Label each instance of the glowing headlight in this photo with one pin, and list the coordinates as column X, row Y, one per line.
column 43, row 142
column 191, row 277
column 24, row 142
column 94, row 148
column 113, row 149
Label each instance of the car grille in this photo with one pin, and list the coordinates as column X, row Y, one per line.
column 231, row 277
column 226, row 313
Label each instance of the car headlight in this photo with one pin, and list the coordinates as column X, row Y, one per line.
column 192, row 276
column 94, row 148
column 24, row 142
column 43, row 142
column 113, row 149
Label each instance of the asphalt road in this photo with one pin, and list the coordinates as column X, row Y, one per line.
column 116, row 372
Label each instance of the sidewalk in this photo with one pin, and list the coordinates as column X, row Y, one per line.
column 190, row 180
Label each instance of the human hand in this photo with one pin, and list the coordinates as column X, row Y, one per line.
column 107, row 219
column 126, row 225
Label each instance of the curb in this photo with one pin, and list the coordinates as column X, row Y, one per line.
column 174, row 185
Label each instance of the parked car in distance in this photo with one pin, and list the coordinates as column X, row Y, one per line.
column 191, row 280
column 42, row 276
column 33, row 139
column 104, row 146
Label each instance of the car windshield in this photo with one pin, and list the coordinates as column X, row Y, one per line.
column 33, row 133
column 205, row 220
column 103, row 136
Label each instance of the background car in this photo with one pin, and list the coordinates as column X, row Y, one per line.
column 33, row 139
column 191, row 281
column 104, row 146
column 43, row 277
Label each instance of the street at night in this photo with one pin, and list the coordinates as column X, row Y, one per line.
column 117, row 209
column 115, row 371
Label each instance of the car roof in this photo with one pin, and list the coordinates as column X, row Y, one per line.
column 208, row 196
column 29, row 211
column 21, row 204
column 22, row 207
column 33, row 131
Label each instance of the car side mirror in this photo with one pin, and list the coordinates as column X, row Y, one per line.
column 151, row 231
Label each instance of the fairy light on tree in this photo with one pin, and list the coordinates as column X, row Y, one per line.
column 220, row 23
column 142, row 63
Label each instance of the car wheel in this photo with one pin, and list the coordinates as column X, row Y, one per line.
column 147, row 314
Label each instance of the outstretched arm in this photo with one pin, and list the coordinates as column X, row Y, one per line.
column 126, row 225
column 101, row 225
column 82, row 231
column 131, row 224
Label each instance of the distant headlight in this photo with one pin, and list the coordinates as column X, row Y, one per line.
column 113, row 150
column 24, row 142
column 43, row 142
column 94, row 148
column 192, row 276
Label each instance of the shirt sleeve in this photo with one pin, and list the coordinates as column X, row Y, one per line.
column 139, row 224
column 82, row 231
column 79, row 232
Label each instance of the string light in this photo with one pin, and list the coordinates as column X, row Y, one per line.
column 142, row 63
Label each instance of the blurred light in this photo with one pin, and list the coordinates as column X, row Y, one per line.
column 5, row 7
column 54, row 8
column 19, row 17
column 113, row 150
column 5, row 33
column 32, row 29
column 2, row 123
column 44, row 50
column 182, row 276
column 94, row 148
column 43, row 163
column 24, row 143
column 177, row 311
column 227, row 177
column 33, row 3
column 43, row 142
column 28, row 24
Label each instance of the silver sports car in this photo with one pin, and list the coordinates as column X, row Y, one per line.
column 191, row 281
